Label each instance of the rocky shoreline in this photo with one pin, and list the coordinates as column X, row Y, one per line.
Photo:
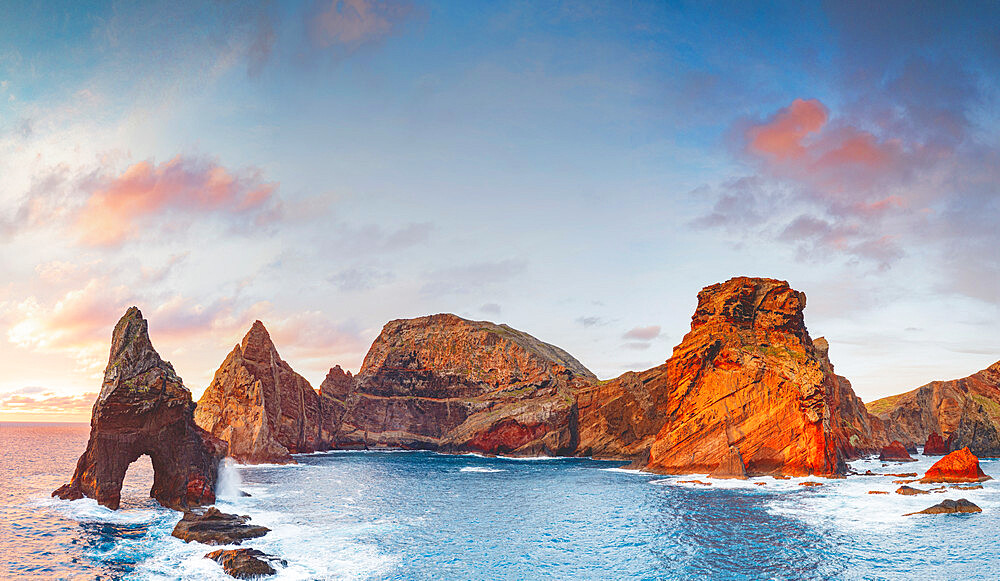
column 746, row 393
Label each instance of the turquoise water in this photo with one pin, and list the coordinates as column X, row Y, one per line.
column 418, row 515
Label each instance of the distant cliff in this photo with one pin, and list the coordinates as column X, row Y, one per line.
column 965, row 411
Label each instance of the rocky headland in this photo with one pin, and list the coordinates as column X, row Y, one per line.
column 144, row 408
column 445, row 383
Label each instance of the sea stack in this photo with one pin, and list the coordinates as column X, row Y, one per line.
column 144, row 408
column 748, row 376
column 261, row 406
column 445, row 383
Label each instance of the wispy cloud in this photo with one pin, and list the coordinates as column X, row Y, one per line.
column 350, row 24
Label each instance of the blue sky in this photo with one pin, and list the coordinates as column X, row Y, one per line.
column 578, row 170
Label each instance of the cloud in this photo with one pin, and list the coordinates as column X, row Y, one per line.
column 375, row 239
column 350, row 24
column 471, row 277
column 360, row 279
column 47, row 402
column 490, row 309
column 643, row 333
column 118, row 207
column 591, row 321
column 781, row 136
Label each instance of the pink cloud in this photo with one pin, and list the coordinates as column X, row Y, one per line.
column 48, row 403
column 116, row 209
column 781, row 136
column 643, row 333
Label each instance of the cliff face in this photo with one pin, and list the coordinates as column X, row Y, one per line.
column 261, row 406
column 144, row 408
column 749, row 376
column 619, row 419
column 446, row 383
column 965, row 411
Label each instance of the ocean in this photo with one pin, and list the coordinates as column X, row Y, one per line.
column 421, row 515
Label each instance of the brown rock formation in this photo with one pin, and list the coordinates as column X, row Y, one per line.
column 144, row 408
column 964, row 411
column 749, row 375
column 732, row 466
column 959, row 466
column 935, row 445
column 261, row 406
column 895, row 452
column 445, row 383
column 619, row 419
column 245, row 563
column 949, row 506
column 214, row 527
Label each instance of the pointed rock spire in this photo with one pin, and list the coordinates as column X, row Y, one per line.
column 260, row 405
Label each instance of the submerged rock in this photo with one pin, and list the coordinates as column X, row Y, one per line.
column 261, row 406
column 810, row 483
column 144, row 408
column 949, row 506
column 959, row 466
column 214, row 527
column 748, row 374
column 895, row 452
column 245, row 563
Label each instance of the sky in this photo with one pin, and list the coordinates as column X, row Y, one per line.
column 577, row 170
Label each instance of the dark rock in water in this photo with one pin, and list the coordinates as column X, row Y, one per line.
column 974, row 487
column 144, row 408
column 245, row 563
column 810, row 483
column 935, row 445
column 731, row 466
column 261, row 406
column 895, row 452
column 949, row 506
column 910, row 491
column 214, row 527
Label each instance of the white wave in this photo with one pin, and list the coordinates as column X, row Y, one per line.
column 87, row 510
column 631, row 471
column 228, row 487
column 481, row 469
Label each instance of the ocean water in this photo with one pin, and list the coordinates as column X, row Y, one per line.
column 419, row 515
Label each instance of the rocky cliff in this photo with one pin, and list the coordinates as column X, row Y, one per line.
column 261, row 406
column 964, row 411
column 144, row 408
column 446, row 383
column 748, row 376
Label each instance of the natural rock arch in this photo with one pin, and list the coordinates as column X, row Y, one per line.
column 144, row 408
